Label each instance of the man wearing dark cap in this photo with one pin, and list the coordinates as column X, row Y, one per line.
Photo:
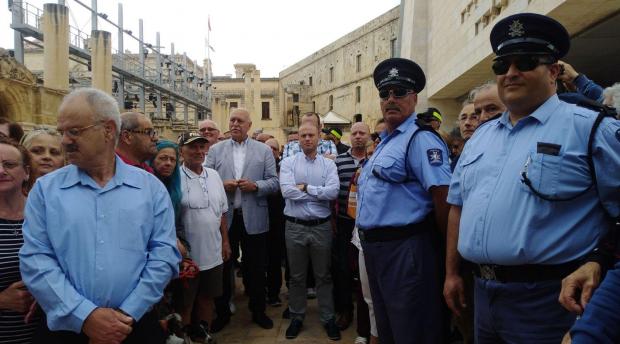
column 203, row 215
column 431, row 117
column 527, row 207
column 401, row 211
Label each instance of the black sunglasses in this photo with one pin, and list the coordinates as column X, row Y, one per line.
column 396, row 93
column 524, row 63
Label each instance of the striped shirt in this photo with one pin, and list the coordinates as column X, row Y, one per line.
column 347, row 164
column 12, row 326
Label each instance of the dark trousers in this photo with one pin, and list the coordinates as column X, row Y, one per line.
column 362, row 316
column 146, row 330
column 275, row 248
column 519, row 312
column 404, row 283
column 341, row 266
column 254, row 250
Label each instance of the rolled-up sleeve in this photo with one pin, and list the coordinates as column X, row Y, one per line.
column 65, row 308
column 163, row 259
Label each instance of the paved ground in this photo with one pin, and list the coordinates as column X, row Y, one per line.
column 242, row 330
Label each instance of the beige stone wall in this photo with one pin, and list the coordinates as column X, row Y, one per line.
column 372, row 42
column 451, row 39
column 249, row 91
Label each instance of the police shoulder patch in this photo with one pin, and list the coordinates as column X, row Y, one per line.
column 434, row 156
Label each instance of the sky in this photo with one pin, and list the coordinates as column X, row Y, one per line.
column 272, row 34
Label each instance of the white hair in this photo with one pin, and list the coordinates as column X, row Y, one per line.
column 613, row 92
column 472, row 94
column 103, row 105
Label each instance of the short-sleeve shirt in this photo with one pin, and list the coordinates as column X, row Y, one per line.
column 502, row 220
column 202, row 205
column 385, row 201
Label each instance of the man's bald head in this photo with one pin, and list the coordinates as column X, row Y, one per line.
column 360, row 135
column 263, row 137
column 275, row 147
column 239, row 124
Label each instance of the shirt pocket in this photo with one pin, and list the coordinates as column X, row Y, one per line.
column 389, row 169
column 132, row 230
column 470, row 171
column 543, row 171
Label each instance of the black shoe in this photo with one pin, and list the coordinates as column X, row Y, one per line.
column 196, row 333
column 344, row 320
column 262, row 320
column 286, row 314
column 332, row 330
column 219, row 323
column 293, row 329
column 274, row 302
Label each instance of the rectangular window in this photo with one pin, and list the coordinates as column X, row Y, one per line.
column 313, row 106
column 266, row 111
column 234, row 105
column 295, row 98
column 358, row 94
column 331, row 103
column 310, row 81
column 331, row 74
column 393, row 47
column 358, row 63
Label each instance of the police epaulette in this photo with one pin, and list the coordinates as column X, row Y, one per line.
column 490, row 119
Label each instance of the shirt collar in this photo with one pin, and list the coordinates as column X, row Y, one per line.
column 122, row 175
column 141, row 165
column 192, row 175
column 242, row 143
column 401, row 128
column 541, row 114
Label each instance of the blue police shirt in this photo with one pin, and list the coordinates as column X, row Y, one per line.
column 87, row 246
column 382, row 203
column 502, row 220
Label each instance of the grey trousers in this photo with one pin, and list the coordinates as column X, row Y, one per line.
column 304, row 243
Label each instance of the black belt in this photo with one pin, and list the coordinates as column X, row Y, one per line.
column 306, row 222
column 383, row 234
column 238, row 211
column 525, row 273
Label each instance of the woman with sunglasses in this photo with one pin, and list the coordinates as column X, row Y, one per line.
column 15, row 300
column 46, row 151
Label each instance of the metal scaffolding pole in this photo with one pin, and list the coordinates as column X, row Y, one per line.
column 141, row 51
column 18, row 38
column 121, row 59
column 93, row 15
column 159, row 75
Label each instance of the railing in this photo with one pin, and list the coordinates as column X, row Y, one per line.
column 79, row 38
column 31, row 15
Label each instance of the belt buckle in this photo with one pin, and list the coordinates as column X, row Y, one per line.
column 487, row 272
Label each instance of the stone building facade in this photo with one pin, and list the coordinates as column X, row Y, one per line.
column 338, row 77
column 450, row 40
column 260, row 96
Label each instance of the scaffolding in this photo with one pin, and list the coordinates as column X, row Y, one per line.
column 171, row 83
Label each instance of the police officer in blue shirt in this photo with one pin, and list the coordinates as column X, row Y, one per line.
column 401, row 205
column 527, row 206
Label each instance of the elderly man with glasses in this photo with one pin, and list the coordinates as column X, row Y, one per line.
column 138, row 140
column 531, row 194
column 99, row 235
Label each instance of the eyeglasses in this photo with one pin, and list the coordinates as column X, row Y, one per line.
column 202, row 130
column 524, row 63
column 76, row 132
column 396, row 93
column 10, row 164
column 150, row 132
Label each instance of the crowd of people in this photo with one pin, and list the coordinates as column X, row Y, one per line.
column 501, row 231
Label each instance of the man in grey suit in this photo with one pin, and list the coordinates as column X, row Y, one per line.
column 248, row 170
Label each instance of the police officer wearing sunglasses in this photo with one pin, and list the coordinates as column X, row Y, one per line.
column 401, row 211
column 527, row 208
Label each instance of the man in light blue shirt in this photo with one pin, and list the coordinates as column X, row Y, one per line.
column 525, row 207
column 99, row 236
column 325, row 147
column 401, row 212
column 309, row 181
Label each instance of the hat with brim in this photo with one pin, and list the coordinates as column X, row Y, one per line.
column 189, row 137
column 529, row 34
column 399, row 72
